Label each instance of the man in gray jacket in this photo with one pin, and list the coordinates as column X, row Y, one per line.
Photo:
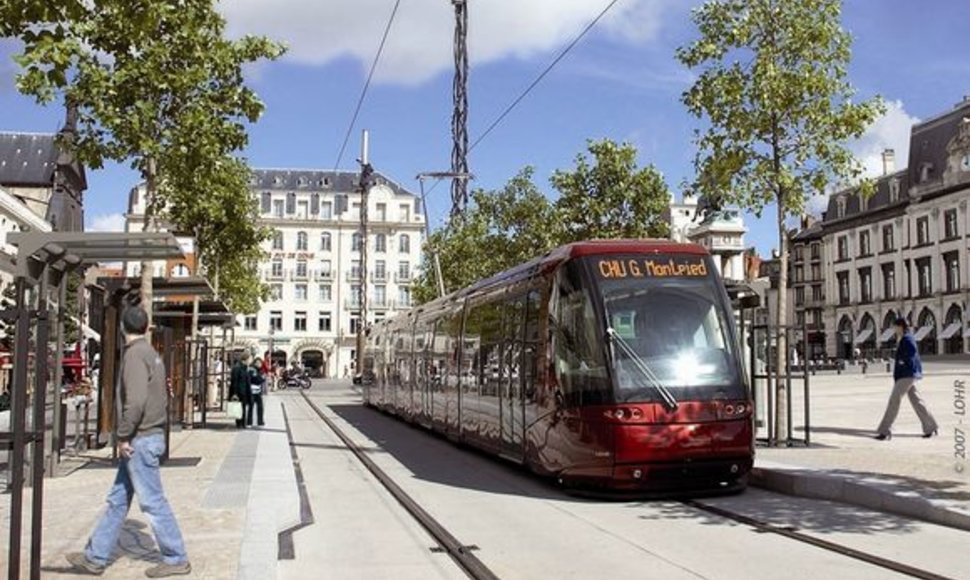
column 141, row 442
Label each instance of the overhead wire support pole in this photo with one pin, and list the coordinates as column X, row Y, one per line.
column 463, row 177
column 459, row 119
column 366, row 172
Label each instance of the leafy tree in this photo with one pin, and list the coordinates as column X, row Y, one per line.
column 610, row 197
column 147, row 76
column 499, row 229
column 774, row 92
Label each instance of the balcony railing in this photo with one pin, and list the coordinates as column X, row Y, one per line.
column 270, row 275
column 379, row 276
column 297, row 275
column 403, row 277
column 353, row 276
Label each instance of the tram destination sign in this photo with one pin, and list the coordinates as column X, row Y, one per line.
column 653, row 267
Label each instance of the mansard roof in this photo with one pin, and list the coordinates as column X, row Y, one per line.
column 317, row 180
column 27, row 159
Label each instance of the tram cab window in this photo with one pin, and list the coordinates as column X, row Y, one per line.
column 579, row 363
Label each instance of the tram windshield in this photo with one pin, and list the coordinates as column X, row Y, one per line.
column 667, row 323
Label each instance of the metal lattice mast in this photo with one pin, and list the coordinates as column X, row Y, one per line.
column 459, row 119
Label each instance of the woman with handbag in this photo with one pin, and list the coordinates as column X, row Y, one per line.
column 257, row 383
column 240, row 389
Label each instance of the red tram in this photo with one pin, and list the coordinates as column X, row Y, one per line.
column 611, row 365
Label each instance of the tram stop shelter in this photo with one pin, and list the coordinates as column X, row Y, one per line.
column 187, row 360
column 43, row 261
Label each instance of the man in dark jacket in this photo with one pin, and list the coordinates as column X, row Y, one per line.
column 141, row 442
column 907, row 370
column 240, row 387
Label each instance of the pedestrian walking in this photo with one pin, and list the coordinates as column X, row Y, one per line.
column 141, row 442
column 907, row 370
column 240, row 386
column 257, row 383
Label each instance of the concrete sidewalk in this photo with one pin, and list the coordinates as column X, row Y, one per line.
column 907, row 475
column 232, row 491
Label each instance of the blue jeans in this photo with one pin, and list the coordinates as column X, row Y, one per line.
column 138, row 475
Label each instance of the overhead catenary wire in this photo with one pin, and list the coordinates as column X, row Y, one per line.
column 363, row 93
column 514, row 103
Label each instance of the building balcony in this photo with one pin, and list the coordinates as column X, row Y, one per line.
column 403, row 277
column 296, row 275
column 323, row 275
column 380, row 304
column 274, row 276
column 353, row 276
column 352, row 303
column 378, row 276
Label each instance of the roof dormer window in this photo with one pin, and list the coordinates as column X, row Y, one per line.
column 924, row 172
column 894, row 190
column 840, row 207
column 277, row 180
column 863, row 202
column 301, row 182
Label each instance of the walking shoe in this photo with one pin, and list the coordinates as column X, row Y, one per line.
column 931, row 433
column 81, row 563
column 164, row 570
column 884, row 436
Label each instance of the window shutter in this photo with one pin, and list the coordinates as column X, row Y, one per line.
column 290, row 203
column 315, row 204
column 267, row 201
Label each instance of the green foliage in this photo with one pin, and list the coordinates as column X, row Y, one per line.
column 612, row 197
column 773, row 88
column 605, row 197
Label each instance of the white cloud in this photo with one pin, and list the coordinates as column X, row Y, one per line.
column 891, row 131
column 111, row 222
column 419, row 45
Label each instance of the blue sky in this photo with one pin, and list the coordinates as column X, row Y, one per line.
column 621, row 82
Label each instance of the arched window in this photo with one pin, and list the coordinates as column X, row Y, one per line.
column 301, row 241
column 325, row 242
column 278, row 240
column 180, row 271
column 405, row 244
column 355, row 242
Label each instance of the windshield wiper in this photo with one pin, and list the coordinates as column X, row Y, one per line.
column 667, row 398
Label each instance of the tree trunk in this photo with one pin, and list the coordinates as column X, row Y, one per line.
column 781, row 317
column 147, row 267
column 196, row 271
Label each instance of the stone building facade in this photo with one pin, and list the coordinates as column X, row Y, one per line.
column 313, row 264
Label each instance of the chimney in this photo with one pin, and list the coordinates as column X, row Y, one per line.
column 888, row 161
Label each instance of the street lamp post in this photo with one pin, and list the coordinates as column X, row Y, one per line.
column 427, row 226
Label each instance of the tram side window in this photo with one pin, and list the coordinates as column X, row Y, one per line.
column 531, row 346
column 579, row 361
column 472, row 343
column 513, row 339
column 450, row 363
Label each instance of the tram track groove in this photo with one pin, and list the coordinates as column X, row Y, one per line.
column 793, row 534
column 459, row 552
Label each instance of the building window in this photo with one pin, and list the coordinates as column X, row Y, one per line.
column 277, row 268
column 951, row 264
column 405, row 213
column 381, row 212
column 923, row 231
column 324, row 322
column 816, row 272
column 276, row 320
column 301, row 271
column 300, row 293
column 380, row 270
column 924, row 274
column 250, row 323
column 817, row 318
column 404, row 297
column 302, row 210
column 950, row 228
column 299, row 321
column 325, row 271
column 380, row 243
column 888, row 244
column 864, row 249
column 278, row 208
column 816, row 251
column 840, row 207
column 354, row 326
column 380, row 296
column 843, row 287
column 888, row 281
column 405, row 244
column 799, row 253
column 265, row 202
column 863, row 202
column 404, row 272
column 865, row 285
column 276, row 292
column 290, row 203
column 355, row 242
column 843, row 243
column 326, row 210
column 325, row 242
column 800, row 318
column 355, row 270
column 894, row 190
column 799, row 274
column 817, row 293
column 301, row 242
column 325, row 293
column 278, row 240
column 800, row 296
column 355, row 296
